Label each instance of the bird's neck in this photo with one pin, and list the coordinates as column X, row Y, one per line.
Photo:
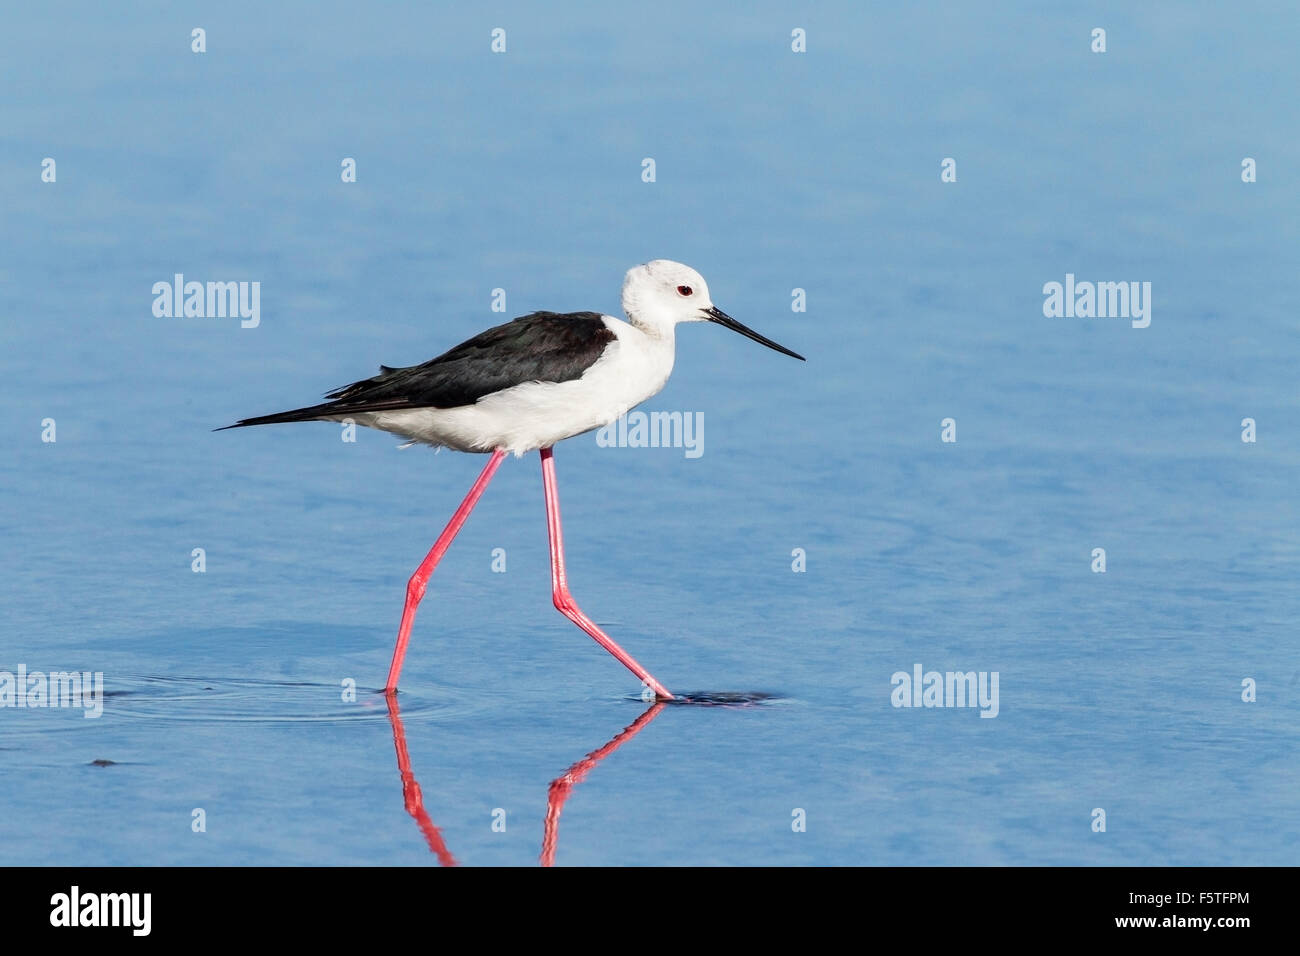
column 660, row 331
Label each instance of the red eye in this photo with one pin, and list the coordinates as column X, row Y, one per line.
column 684, row 290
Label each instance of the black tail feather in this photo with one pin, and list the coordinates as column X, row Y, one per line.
column 310, row 414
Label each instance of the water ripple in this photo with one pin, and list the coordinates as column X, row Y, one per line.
column 247, row 699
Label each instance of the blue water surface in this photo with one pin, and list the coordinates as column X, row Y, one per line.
column 774, row 171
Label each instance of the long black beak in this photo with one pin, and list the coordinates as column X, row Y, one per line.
column 717, row 315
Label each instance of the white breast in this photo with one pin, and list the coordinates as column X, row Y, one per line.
column 535, row 415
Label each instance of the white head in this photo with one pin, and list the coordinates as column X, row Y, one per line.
column 662, row 293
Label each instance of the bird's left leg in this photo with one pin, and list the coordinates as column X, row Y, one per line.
column 419, row 581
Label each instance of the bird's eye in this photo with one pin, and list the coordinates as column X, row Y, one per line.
column 684, row 290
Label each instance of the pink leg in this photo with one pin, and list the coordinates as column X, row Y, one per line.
column 419, row 582
column 560, row 585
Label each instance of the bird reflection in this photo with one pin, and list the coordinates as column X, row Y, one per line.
column 563, row 785
column 557, row 794
column 411, row 794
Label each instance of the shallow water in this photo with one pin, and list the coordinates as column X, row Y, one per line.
column 517, row 740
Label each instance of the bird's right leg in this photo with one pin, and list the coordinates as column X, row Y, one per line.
column 564, row 601
column 419, row 582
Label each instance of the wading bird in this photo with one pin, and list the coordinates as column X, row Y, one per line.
column 521, row 387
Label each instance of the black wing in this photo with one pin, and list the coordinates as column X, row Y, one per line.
column 539, row 347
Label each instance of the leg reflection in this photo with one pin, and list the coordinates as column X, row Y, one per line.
column 563, row 785
column 411, row 794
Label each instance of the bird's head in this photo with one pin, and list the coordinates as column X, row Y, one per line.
column 661, row 293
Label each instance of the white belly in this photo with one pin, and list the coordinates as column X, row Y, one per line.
column 538, row 414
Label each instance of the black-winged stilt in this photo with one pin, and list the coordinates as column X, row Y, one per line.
column 522, row 387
